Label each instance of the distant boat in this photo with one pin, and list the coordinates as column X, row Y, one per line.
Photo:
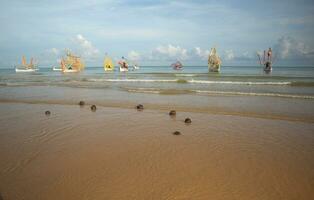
column 24, row 67
column 71, row 63
column 54, row 68
column 135, row 66
column 124, row 66
column 177, row 65
column 214, row 61
column 108, row 64
column 267, row 60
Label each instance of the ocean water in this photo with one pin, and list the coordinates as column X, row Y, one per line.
column 282, row 82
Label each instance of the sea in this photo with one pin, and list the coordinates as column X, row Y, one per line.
column 282, row 82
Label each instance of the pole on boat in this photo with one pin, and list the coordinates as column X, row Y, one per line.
column 259, row 58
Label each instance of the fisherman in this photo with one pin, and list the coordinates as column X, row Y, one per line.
column 124, row 65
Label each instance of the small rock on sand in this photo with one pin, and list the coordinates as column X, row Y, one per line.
column 93, row 108
column 188, row 121
column 139, row 107
column 172, row 113
column 176, row 133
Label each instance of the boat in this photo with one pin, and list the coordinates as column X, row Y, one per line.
column 136, row 67
column 177, row 65
column 24, row 67
column 108, row 64
column 124, row 66
column 123, row 69
column 267, row 60
column 214, row 61
column 54, row 68
column 71, row 63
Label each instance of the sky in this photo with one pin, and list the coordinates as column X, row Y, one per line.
column 157, row 32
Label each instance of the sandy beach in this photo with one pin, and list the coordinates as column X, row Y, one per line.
column 87, row 88
column 122, row 153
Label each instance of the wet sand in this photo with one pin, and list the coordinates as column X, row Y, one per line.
column 119, row 153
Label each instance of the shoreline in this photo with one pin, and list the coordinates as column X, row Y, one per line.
column 165, row 108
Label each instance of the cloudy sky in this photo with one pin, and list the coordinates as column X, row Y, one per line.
column 157, row 32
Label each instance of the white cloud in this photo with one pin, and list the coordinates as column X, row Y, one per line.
column 169, row 52
column 133, row 55
column 287, row 47
column 54, row 51
column 200, row 53
column 228, row 54
column 85, row 47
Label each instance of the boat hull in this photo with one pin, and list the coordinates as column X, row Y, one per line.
column 56, row 69
column 122, row 69
column 135, row 67
column 70, row 71
column 108, row 69
column 214, row 68
column 268, row 67
column 25, row 70
column 177, row 68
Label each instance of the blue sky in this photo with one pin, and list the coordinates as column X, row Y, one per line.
column 157, row 32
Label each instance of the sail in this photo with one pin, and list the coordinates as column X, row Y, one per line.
column 62, row 64
column 267, row 60
column 177, row 65
column 72, row 62
column 24, row 61
column 123, row 63
column 25, row 65
column 214, row 60
column 31, row 64
column 108, row 64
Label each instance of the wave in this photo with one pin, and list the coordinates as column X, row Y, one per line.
column 253, row 94
column 213, row 92
column 302, row 84
column 185, row 75
column 130, row 80
column 240, row 82
column 178, row 80
column 194, row 81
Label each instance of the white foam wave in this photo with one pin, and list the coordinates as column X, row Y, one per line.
column 191, row 81
column 239, row 82
column 144, row 91
column 130, row 80
column 185, row 75
column 253, row 94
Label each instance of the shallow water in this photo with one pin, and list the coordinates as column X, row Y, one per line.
column 125, row 154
